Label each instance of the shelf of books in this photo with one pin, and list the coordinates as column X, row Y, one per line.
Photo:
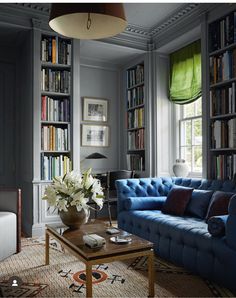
column 135, row 118
column 222, row 63
column 55, row 106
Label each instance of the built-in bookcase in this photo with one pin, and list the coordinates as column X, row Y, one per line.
column 55, row 106
column 222, row 62
column 135, row 117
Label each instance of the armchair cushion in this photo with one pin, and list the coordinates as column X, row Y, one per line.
column 144, row 203
column 216, row 225
column 177, row 200
column 8, row 232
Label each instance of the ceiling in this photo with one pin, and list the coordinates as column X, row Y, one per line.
column 107, row 53
column 142, row 19
column 147, row 15
column 141, row 15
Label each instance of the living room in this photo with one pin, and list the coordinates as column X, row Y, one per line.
column 154, row 99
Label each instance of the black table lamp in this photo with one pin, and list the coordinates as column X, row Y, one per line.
column 95, row 155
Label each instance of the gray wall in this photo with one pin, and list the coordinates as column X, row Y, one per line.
column 24, row 100
column 99, row 80
column 7, row 116
column 16, row 115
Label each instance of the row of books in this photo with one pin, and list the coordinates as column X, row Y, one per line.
column 135, row 76
column 224, row 166
column 52, row 166
column 136, row 118
column 136, row 139
column 223, row 67
column 135, row 162
column 223, row 134
column 222, row 33
column 55, row 138
column 55, row 80
column 55, row 109
column 222, row 100
column 135, row 96
column 55, row 50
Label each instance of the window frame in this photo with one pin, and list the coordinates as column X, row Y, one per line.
column 181, row 119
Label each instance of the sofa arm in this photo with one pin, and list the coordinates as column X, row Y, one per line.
column 10, row 201
column 231, row 224
column 144, row 203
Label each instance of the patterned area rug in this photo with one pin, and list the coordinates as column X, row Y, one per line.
column 65, row 277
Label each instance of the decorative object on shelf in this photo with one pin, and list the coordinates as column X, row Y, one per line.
column 180, row 168
column 95, row 109
column 95, row 135
column 71, row 193
column 88, row 20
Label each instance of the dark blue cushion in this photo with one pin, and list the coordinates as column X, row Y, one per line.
column 216, row 225
column 219, row 204
column 199, row 203
column 144, row 203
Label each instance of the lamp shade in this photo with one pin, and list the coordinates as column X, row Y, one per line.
column 95, row 155
column 87, row 20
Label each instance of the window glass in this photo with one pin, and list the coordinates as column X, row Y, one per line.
column 191, row 135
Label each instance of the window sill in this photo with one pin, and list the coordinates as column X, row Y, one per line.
column 194, row 175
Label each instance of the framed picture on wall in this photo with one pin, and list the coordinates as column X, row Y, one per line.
column 95, row 135
column 95, row 109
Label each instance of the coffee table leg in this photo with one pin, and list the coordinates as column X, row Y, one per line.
column 151, row 274
column 46, row 248
column 88, row 280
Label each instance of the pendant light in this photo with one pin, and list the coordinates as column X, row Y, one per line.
column 87, row 20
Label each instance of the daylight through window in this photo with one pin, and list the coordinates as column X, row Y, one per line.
column 191, row 135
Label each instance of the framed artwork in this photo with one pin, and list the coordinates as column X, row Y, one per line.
column 95, row 135
column 95, row 109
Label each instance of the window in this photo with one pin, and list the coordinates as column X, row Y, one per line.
column 190, row 143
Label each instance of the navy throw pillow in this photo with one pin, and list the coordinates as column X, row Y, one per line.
column 177, row 200
column 219, row 204
column 216, row 225
column 144, row 203
column 199, row 203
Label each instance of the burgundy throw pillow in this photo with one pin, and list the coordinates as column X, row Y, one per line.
column 219, row 204
column 177, row 200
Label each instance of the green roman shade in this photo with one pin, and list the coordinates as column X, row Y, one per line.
column 185, row 74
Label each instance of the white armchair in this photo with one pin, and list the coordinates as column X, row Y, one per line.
column 10, row 222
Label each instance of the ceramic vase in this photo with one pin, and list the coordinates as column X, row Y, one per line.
column 73, row 218
column 180, row 168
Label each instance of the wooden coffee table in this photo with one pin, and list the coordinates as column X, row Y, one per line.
column 72, row 240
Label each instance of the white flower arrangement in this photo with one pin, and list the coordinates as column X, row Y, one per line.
column 74, row 189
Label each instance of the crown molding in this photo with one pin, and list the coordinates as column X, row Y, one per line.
column 134, row 29
column 32, row 14
column 177, row 16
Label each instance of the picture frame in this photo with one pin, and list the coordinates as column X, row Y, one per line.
column 95, row 135
column 95, row 109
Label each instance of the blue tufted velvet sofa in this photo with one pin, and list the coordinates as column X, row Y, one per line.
column 184, row 241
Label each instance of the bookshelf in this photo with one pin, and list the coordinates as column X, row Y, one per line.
column 222, row 96
column 55, row 154
column 135, row 110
